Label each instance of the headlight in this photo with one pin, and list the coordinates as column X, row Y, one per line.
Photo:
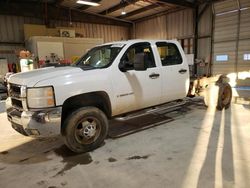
column 40, row 97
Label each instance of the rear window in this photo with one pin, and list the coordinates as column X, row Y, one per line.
column 169, row 53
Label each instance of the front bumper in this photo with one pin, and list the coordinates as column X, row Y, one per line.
column 42, row 123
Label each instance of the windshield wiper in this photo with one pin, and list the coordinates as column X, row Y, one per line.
column 87, row 67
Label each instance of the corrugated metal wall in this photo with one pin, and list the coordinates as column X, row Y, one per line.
column 231, row 36
column 12, row 33
column 171, row 26
column 225, row 6
column 226, row 27
column 180, row 24
column 107, row 32
column 205, row 22
column 11, row 27
column 244, row 3
column 155, row 28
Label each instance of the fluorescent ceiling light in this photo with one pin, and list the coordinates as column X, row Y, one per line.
column 87, row 3
column 123, row 13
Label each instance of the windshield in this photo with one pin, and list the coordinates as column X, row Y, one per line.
column 99, row 57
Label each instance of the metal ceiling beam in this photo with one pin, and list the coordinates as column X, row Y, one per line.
column 138, row 11
column 56, row 13
column 159, row 14
column 118, row 6
column 182, row 3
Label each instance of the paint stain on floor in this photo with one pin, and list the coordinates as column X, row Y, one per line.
column 4, row 152
column 136, row 157
column 111, row 159
column 2, row 168
column 71, row 159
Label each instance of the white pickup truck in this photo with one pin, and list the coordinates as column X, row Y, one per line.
column 110, row 80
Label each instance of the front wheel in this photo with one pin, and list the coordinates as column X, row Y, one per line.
column 85, row 129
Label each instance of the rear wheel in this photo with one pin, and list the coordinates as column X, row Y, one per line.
column 224, row 96
column 85, row 129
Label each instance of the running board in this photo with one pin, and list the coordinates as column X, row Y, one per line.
column 168, row 107
column 119, row 129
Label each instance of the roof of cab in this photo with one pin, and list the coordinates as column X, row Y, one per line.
column 138, row 40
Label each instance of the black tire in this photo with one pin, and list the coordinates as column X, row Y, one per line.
column 85, row 129
column 224, row 96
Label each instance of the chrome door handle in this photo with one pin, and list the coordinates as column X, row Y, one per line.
column 182, row 71
column 154, row 76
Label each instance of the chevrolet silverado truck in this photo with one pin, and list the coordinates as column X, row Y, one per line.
column 110, row 80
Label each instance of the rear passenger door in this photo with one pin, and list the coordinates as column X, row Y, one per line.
column 175, row 72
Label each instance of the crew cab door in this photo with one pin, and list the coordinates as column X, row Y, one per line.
column 175, row 72
column 137, row 89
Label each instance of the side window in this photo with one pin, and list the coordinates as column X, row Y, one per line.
column 141, row 49
column 169, row 53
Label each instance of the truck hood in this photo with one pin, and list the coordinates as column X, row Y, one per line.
column 32, row 77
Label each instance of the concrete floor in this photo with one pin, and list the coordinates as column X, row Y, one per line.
column 200, row 148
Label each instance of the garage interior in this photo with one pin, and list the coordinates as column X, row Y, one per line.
column 199, row 147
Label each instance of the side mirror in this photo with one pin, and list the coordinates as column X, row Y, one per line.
column 125, row 65
column 140, row 64
column 122, row 66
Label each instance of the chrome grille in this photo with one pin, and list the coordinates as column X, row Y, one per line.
column 14, row 90
column 17, row 93
column 17, row 103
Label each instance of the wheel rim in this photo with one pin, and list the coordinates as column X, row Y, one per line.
column 87, row 130
column 226, row 96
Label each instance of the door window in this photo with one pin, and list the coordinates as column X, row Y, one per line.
column 169, row 53
column 141, row 50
